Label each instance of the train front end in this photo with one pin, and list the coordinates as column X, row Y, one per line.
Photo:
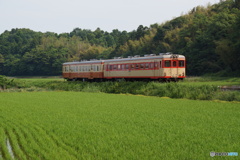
column 174, row 67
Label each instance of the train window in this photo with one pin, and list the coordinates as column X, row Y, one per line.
column 119, row 67
column 167, row 64
column 147, row 66
column 181, row 63
column 137, row 66
column 160, row 64
column 123, row 66
column 132, row 66
column 114, row 67
column 142, row 66
column 174, row 64
column 127, row 66
column 97, row 69
column 156, row 64
column 110, row 67
column 151, row 65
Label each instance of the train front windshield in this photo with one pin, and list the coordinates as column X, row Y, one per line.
column 174, row 63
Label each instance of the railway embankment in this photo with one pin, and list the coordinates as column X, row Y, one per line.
column 192, row 88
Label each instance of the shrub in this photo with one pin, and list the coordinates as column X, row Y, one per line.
column 227, row 95
column 6, row 83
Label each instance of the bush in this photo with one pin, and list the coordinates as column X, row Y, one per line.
column 228, row 95
column 172, row 90
column 6, row 83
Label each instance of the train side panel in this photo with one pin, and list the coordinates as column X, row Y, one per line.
column 164, row 66
column 131, row 69
column 83, row 71
column 159, row 68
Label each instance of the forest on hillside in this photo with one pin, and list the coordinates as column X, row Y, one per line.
column 209, row 37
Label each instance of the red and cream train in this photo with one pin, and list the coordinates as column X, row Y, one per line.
column 162, row 67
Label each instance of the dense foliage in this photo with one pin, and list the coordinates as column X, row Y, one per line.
column 191, row 88
column 209, row 37
column 6, row 83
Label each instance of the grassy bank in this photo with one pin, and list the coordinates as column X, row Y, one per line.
column 192, row 88
column 77, row 125
column 201, row 88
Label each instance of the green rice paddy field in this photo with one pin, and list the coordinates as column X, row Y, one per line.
column 77, row 125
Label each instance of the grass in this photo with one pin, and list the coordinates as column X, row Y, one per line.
column 217, row 81
column 77, row 125
column 201, row 88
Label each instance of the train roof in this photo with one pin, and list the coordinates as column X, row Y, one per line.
column 84, row 62
column 117, row 59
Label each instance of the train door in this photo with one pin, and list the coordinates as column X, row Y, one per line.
column 70, row 72
column 106, row 70
column 174, row 69
column 91, row 72
column 156, row 68
column 65, row 71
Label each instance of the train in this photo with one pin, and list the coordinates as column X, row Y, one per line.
column 161, row 67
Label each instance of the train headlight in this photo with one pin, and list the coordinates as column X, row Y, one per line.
column 183, row 74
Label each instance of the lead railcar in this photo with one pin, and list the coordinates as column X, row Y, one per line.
column 162, row 67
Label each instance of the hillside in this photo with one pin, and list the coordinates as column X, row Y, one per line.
column 209, row 37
